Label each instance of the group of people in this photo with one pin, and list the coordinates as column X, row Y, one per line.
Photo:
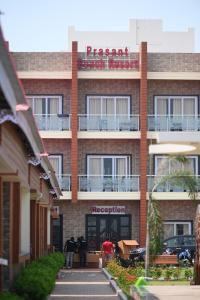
column 72, row 246
column 109, row 250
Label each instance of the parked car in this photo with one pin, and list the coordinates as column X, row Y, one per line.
column 179, row 243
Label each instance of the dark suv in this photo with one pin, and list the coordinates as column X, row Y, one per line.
column 178, row 243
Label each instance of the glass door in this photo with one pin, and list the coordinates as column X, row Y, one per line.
column 102, row 227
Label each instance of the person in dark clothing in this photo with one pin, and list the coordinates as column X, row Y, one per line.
column 82, row 248
column 69, row 249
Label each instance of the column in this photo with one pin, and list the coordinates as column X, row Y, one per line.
column 74, row 127
column 143, row 142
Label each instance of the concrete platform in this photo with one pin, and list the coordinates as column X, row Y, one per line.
column 180, row 292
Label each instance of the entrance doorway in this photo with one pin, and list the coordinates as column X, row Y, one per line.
column 101, row 227
column 57, row 233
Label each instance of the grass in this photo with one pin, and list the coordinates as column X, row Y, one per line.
column 168, row 282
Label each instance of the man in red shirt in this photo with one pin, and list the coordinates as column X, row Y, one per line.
column 107, row 248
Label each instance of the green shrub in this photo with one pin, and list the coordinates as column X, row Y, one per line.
column 168, row 273
column 35, row 282
column 59, row 258
column 188, row 274
column 9, row 296
column 155, row 272
column 114, row 269
column 176, row 273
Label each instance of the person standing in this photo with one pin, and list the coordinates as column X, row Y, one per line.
column 107, row 248
column 69, row 249
column 82, row 248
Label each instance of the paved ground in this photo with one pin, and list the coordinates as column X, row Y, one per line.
column 83, row 284
column 173, row 292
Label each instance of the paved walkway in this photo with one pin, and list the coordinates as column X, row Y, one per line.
column 83, row 284
column 180, row 292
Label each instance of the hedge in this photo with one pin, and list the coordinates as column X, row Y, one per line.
column 10, row 296
column 36, row 281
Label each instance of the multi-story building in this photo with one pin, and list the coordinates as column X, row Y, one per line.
column 97, row 113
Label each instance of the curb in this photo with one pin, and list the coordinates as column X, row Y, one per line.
column 114, row 285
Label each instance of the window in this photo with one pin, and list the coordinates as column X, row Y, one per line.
column 108, row 105
column 172, row 228
column 164, row 166
column 108, row 165
column 176, row 105
column 56, row 161
column 45, row 105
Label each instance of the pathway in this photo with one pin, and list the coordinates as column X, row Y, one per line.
column 83, row 284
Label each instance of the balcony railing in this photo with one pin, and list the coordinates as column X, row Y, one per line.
column 102, row 183
column 56, row 122
column 64, row 182
column 108, row 123
column 153, row 180
column 173, row 123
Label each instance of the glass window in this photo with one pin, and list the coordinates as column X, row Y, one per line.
column 108, row 105
column 108, row 165
column 45, row 105
column 56, row 161
column 172, row 228
column 164, row 166
column 176, row 105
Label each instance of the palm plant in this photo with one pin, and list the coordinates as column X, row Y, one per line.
column 178, row 178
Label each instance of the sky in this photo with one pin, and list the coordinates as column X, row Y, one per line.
column 42, row 25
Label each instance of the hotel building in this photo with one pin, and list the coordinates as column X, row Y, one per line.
column 97, row 111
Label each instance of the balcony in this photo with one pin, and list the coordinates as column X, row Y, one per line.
column 167, row 187
column 102, row 183
column 53, row 122
column 108, row 123
column 174, row 123
column 64, row 182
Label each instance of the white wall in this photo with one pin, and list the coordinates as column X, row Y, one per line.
column 25, row 221
column 150, row 31
column 48, row 226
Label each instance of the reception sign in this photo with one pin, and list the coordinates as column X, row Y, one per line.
column 108, row 210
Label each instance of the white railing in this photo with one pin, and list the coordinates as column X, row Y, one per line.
column 56, row 122
column 108, row 122
column 64, row 181
column 173, row 123
column 102, row 183
column 153, row 180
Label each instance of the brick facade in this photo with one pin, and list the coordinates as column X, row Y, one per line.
column 173, row 62
column 108, row 87
column 42, row 61
column 50, row 87
column 108, row 147
column 78, row 211
column 63, row 147
column 75, row 151
column 171, row 87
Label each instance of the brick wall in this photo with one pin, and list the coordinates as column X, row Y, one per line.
column 173, row 62
column 108, row 147
column 48, row 87
column 72, row 213
column 42, row 61
column 169, row 87
column 178, row 210
column 111, row 87
column 60, row 146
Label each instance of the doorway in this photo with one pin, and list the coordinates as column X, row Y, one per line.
column 101, row 227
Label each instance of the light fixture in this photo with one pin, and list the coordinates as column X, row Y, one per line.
column 170, row 148
column 44, row 154
column 22, row 107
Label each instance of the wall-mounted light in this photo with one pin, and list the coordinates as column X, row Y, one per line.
column 22, row 107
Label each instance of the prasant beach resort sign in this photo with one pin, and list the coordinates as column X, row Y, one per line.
column 107, row 59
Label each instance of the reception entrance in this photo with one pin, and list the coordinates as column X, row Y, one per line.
column 113, row 227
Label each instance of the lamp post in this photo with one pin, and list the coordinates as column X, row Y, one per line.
column 161, row 149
